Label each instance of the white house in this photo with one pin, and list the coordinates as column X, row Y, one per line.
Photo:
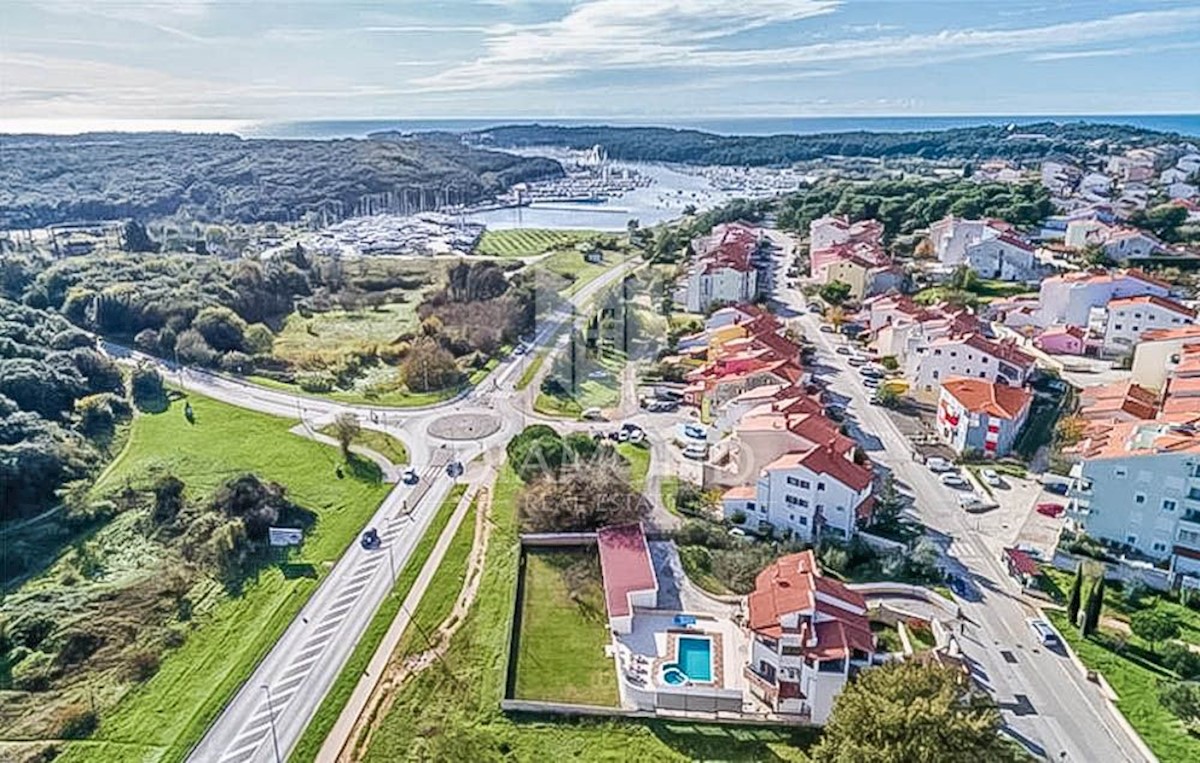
column 1130, row 317
column 1138, row 485
column 809, row 636
column 722, row 269
column 1123, row 243
column 952, row 236
column 834, row 230
column 1085, row 232
column 1181, row 191
column 1004, row 257
column 972, row 355
column 1068, row 299
column 1159, row 352
column 975, row 415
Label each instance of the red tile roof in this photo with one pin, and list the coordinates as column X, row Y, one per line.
column 1152, row 299
column 792, row 585
column 982, row 396
column 625, row 564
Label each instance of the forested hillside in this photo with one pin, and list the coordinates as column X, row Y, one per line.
column 694, row 147
column 50, row 179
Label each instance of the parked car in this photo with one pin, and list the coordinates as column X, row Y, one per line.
column 953, row 479
column 1058, row 488
column 1053, row 510
column 857, row 360
column 842, row 350
column 835, row 413
column 826, row 328
column 454, row 469
column 870, row 382
column 662, row 406
column 410, row 477
column 592, row 414
column 370, row 539
column 696, row 450
column 737, row 532
column 990, row 477
column 1046, row 635
column 938, row 464
column 870, row 372
column 695, row 432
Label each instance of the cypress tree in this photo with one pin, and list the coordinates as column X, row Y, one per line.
column 1095, row 603
column 1076, row 593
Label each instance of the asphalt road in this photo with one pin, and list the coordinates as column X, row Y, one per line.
column 1046, row 704
column 268, row 715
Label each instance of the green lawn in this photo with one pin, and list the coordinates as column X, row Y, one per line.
column 1135, row 682
column 670, row 490
column 438, row 601
column 343, row 686
column 532, row 366
column 603, row 392
column 452, row 711
column 560, row 650
column 638, row 456
column 573, row 272
column 381, row 442
column 531, row 242
column 886, row 637
column 397, row 398
column 330, row 335
column 1117, row 606
column 161, row 718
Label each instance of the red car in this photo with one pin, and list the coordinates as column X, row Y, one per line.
column 1050, row 509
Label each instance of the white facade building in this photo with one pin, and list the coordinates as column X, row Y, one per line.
column 972, row 355
column 1130, row 317
column 1068, row 299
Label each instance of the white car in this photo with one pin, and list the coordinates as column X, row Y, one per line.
column 1046, row 635
column 937, row 464
column 696, row 451
column 990, row 477
column 592, row 414
column 953, row 479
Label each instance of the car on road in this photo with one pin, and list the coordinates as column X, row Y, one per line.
column 1046, row 635
column 695, row 432
column 662, row 406
column 870, row 382
column 520, row 349
column 410, row 477
column 953, row 479
column 990, row 477
column 938, row 464
column 592, row 414
column 871, row 372
column 598, row 374
column 454, row 469
column 1055, row 486
column 1052, row 510
column 857, row 360
column 370, row 539
column 826, row 328
column 874, row 399
column 843, row 350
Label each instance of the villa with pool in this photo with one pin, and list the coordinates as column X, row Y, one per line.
column 783, row 652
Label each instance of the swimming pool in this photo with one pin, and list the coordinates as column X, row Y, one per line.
column 694, row 663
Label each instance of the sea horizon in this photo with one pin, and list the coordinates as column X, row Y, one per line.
column 330, row 129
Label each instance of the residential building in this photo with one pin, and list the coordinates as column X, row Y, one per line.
column 952, row 236
column 1060, row 176
column 1068, row 299
column 1005, row 257
column 979, row 416
column 832, row 239
column 972, row 355
column 1123, row 242
column 1062, row 340
column 629, row 579
column 864, row 277
column 722, row 270
column 1160, row 352
column 1138, row 486
column 1118, row 401
column 809, row 637
column 1182, row 191
column 1130, row 317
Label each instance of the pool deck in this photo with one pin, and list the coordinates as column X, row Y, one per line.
column 654, row 642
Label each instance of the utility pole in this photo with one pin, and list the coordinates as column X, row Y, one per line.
column 271, row 715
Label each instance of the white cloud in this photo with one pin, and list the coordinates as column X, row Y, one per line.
column 635, row 34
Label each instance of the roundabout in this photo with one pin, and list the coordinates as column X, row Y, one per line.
column 465, row 426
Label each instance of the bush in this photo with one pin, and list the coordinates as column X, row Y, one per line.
column 143, row 664
column 738, row 517
column 78, row 723
column 696, row 558
column 75, row 645
column 147, row 387
column 1181, row 659
column 31, row 631
column 315, row 382
column 34, row 672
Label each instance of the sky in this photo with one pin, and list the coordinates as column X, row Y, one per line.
column 88, row 61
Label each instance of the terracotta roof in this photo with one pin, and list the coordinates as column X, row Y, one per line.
column 1107, row 400
column 1152, row 299
column 982, row 396
column 823, row 459
column 791, row 585
column 1179, row 332
column 741, row 492
column 626, row 566
column 1005, row 349
column 1124, row 439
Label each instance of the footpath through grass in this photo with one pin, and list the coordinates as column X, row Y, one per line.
column 162, row 718
column 381, row 442
column 564, row 629
column 323, row 720
column 452, row 711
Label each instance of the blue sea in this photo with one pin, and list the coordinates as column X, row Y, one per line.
column 1186, row 124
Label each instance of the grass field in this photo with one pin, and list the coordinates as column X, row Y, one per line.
column 399, row 398
column 670, row 490
column 532, row 366
column 454, row 713
column 602, row 392
column 381, row 442
column 163, row 717
column 560, row 649
column 573, row 272
column 331, row 334
column 1135, row 681
column 318, row 728
column 638, row 456
column 531, row 242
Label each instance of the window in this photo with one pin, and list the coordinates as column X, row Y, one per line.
column 984, row 359
column 793, row 481
column 750, row 505
column 805, row 484
column 1119, row 472
column 1159, row 546
column 937, row 352
column 935, row 375
column 796, row 501
column 1168, row 504
column 1117, row 327
column 1139, row 497
column 803, row 521
column 1131, row 540
column 820, row 486
column 953, row 354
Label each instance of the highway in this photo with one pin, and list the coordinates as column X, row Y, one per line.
column 270, row 711
column 1046, row 703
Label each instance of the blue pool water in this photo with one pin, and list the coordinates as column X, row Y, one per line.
column 695, row 658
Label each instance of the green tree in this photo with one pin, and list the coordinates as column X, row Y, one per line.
column 146, row 386
column 137, row 239
column 964, row 278
column 835, row 292
column 1076, row 593
column 1181, row 699
column 1093, row 609
column 223, row 329
column 346, row 429
column 1153, row 626
column 908, row 712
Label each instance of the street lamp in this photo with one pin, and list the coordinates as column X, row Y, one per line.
column 271, row 715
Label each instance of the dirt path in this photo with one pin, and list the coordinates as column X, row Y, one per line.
column 399, row 671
